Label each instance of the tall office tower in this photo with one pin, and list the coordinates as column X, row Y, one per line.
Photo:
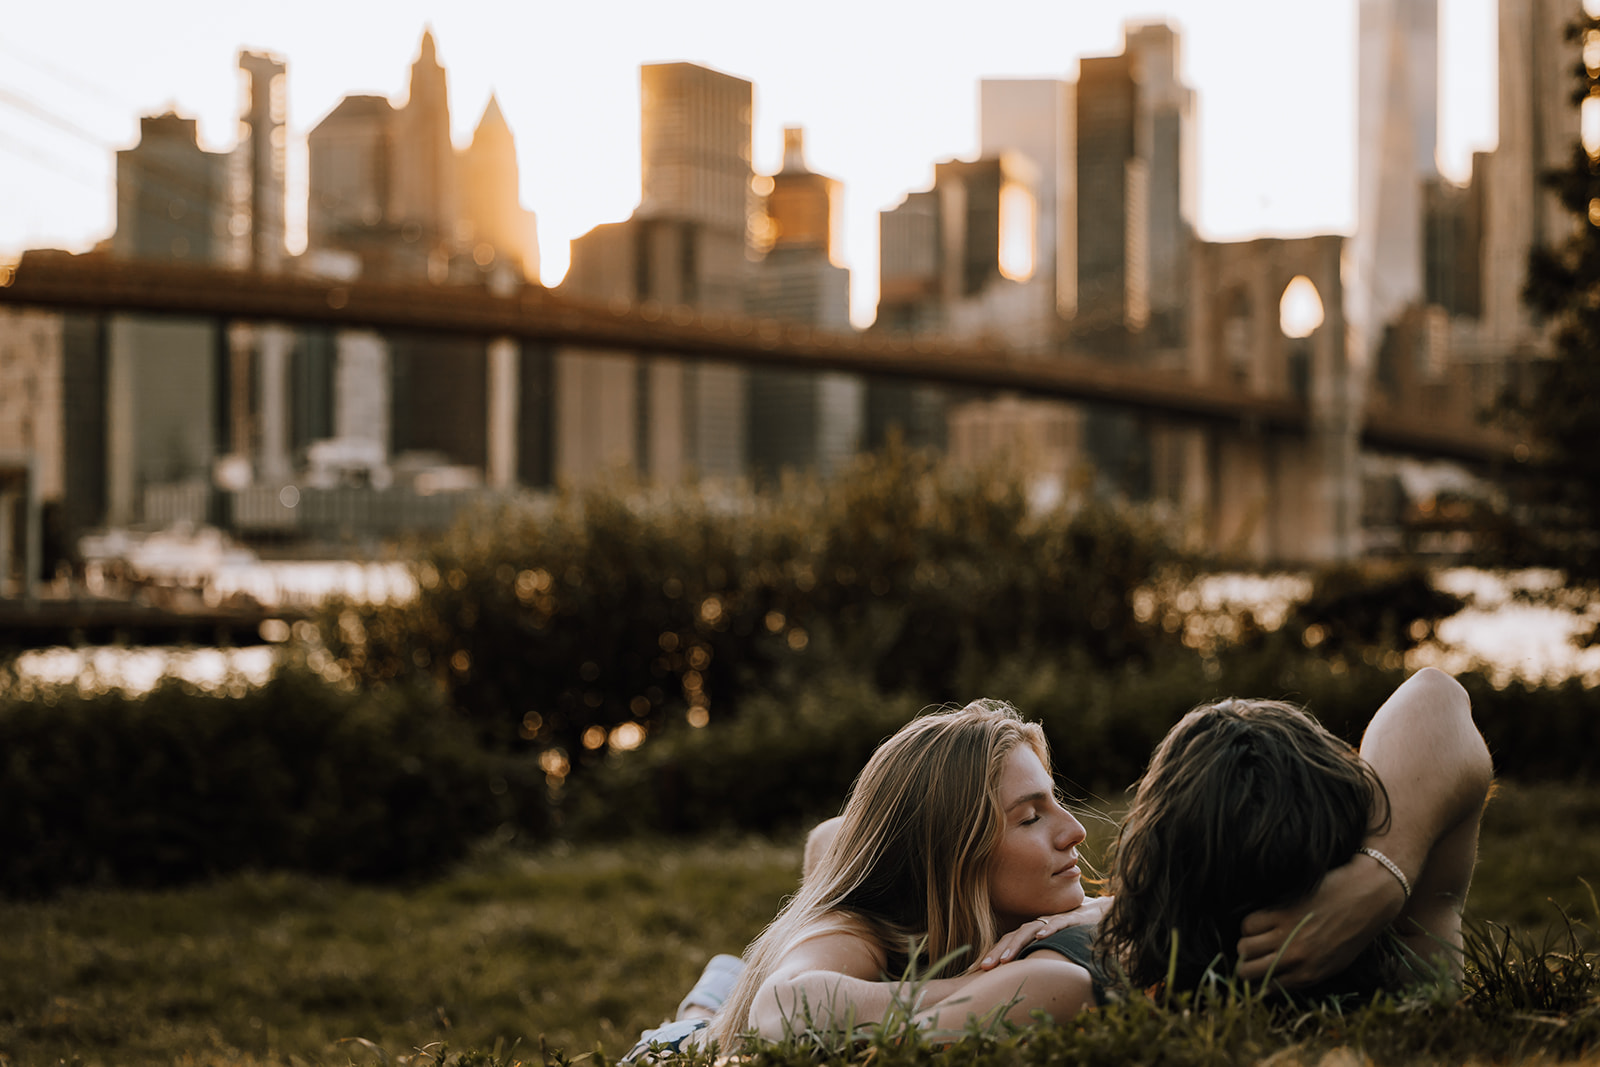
column 1135, row 200
column 1113, row 193
column 422, row 174
column 258, row 164
column 1166, row 142
column 695, row 142
column 491, row 208
column 1037, row 117
column 802, row 207
column 802, row 420
column 798, row 279
column 960, row 258
column 349, row 179
column 1452, row 240
column 171, row 195
column 908, row 265
column 1539, row 125
column 161, row 374
column 384, row 190
column 686, row 245
column 1396, row 132
column 1038, row 438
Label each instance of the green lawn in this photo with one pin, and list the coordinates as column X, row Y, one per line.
column 580, row 946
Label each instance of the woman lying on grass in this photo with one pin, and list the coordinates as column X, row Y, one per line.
column 953, row 838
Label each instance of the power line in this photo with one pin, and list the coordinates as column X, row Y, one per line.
column 167, row 180
column 43, row 114
column 22, row 148
column 62, row 74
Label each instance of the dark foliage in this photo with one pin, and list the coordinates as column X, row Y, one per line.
column 179, row 784
column 1561, row 408
column 1352, row 608
column 551, row 626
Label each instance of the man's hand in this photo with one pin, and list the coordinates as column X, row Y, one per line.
column 1320, row 936
column 1005, row 950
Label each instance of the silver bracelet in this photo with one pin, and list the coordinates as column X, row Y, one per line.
column 1393, row 867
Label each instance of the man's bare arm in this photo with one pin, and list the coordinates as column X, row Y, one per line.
column 1436, row 769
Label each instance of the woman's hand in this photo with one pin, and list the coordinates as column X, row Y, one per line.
column 1006, row 948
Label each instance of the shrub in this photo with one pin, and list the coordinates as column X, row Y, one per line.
column 781, row 764
column 1386, row 607
column 178, row 784
column 556, row 624
column 788, row 760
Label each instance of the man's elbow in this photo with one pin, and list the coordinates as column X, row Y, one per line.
column 1442, row 688
column 1451, row 702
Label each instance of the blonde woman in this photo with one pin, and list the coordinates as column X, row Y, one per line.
column 952, row 838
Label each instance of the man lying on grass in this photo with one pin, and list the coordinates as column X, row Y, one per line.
column 953, row 840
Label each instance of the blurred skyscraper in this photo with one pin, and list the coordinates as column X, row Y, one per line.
column 391, row 198
column 1439, row 267
column 1037, row 117
column 494, row 222
column 1135, row 193
column 257, row 221
column 960, row 260
column 1539, row 125
column 162, row 413
column 1397, row 121
column 685, row 247
column 172, row 195
column 801, row 420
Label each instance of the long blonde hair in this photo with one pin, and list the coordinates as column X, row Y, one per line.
column 910, row 862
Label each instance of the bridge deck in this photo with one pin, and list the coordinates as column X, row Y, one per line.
column 97, row 284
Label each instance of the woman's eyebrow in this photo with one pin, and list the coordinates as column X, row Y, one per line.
column 1037, row 795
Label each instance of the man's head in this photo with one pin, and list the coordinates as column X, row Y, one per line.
column 1246, row 804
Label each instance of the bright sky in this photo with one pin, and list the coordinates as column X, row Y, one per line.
column 884, row 90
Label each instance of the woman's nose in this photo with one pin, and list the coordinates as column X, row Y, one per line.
column 1070, row 833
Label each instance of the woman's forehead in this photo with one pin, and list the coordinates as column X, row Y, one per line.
column 1023, row 776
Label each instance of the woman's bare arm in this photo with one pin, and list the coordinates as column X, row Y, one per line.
column 835, row 981
column 1436, row 769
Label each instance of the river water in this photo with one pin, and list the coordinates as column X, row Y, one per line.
column 1510, row 628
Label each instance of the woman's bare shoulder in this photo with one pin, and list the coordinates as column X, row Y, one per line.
column 839, row 943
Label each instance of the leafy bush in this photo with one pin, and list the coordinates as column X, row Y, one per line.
column 788, row 759
column 781, row 764
column 298, row 774
column 582, row 624
column 1354, row 608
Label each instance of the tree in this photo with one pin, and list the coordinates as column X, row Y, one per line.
column 1560, row 407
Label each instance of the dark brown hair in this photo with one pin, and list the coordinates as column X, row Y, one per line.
column 1246, row 804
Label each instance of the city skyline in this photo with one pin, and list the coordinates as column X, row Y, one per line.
column 879, row 109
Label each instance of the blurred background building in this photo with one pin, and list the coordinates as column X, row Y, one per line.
column 1069, row 236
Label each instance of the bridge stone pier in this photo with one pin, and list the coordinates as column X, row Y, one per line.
column 1249, row 490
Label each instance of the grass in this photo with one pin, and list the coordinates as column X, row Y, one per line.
column 571, row 949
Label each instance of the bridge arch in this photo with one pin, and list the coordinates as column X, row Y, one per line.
column 1263, row 496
